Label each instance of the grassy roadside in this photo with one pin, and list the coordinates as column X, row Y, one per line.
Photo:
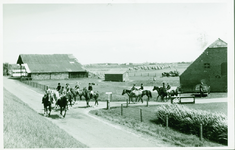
column 24, row 128
column 131, row 119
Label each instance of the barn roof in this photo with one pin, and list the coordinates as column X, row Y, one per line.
column 45, row 63
column 218, row 43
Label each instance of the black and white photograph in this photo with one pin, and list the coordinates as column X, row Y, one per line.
column 117, row 74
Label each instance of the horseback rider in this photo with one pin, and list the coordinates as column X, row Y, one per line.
column 77, row 85
column 141, row 87
column 133, row 88
column 58, row 87
column 164, row 86
column 46, row 101
column 90, row 89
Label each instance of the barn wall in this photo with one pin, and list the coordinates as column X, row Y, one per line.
column 48, row 76
column 114, row 77
column 78, row 74
column 214, row 76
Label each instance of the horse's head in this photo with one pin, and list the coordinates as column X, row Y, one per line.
column 155, row 88
column 124, row 92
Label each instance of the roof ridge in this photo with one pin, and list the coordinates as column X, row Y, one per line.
column 218, row 43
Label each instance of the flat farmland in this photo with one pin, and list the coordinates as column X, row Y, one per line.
column 149, row 78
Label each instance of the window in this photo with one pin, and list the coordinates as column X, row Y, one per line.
column 224, row 68
column 206, row 65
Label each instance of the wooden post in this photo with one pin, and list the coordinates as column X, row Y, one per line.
column 108, row 104
column 166, row 121
column 126, row 102
column 201, row 133
column 141, row 117
column 194, row 99
column 121, row 109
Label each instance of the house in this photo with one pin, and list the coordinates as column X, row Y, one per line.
column 114, row 75
column 210, row 68
column 16, row 70
column 51, row 66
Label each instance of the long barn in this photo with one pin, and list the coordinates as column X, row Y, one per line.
column 118, row 76
column 210, row 67
column 51, row 66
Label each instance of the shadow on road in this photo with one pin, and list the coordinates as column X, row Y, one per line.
column 53, row 116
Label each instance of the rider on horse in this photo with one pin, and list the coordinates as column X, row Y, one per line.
column 90, row 89
column 133, row 88
column 141, row 87
column 46, row 101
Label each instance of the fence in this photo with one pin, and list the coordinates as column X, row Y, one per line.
column 139, row 74
column 36, row 85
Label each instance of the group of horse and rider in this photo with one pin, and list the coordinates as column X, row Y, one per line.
column 64, row 94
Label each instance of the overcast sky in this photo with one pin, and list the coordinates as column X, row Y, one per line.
column 117, row 33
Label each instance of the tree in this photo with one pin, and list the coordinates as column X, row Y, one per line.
column 6, row 68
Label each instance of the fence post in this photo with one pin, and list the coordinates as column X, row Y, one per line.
column 121, row 109
column 108, row 104
column 141, row 117
column 201, row 132
column 126, row 102
column 194, row 99
column 166, row 121
column 109, row 99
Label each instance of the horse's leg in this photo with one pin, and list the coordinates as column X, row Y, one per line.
column 61, row 110
column 64, row 113
column 49, row 110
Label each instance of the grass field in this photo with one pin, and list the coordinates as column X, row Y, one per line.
column 116, row 87
column 24, row 128
column 131, row 118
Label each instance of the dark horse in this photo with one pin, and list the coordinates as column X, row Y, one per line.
column 161, row 92
column 47, row 100
column 63, row 103
column 164, row 93
column 133, row 94
column 147, row 93
column 88, row 96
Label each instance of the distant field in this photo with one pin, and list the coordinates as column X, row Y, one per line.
column 24, row 128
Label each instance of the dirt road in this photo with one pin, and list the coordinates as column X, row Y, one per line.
column 89, row 130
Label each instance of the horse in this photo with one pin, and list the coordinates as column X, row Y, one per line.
column 161, row 92
column 148, row 93
column 63, row 103
column 88, row 96
column 173, row 91
column 78, row 92
column 47, row 101
column 135, row 93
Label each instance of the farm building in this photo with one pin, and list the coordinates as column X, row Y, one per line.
column 51, row 66
column 120, row 76
column 210, row 68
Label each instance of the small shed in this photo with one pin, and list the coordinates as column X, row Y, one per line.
column 118, row 76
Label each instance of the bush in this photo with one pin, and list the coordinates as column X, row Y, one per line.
column 181, row 118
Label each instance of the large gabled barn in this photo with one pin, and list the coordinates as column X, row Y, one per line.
column 51, row 66
column 210, row 67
